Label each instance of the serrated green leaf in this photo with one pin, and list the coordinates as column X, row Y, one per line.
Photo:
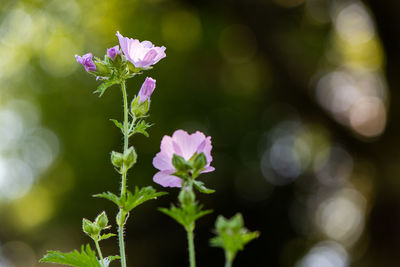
column 186, row 215
column 232, row 236
column 112, row 197
column 140, row 196
column 111, row 258
column 118, row 124
column 200, row 186
column 141, row 128
column 103, row 86
column 85, row 258
column 106, row 236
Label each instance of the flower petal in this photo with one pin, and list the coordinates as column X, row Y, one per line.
column 165, row 179
column 188, row 144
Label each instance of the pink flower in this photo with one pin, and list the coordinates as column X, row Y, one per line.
column 87, row 61
column 146, row 90
column 113, row 52
column 184, row 145
column 141, row 54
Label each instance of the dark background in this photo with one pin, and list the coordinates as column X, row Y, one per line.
column 299, row 96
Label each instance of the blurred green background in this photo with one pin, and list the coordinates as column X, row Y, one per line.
column 299, row 96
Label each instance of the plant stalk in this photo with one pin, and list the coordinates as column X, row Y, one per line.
column 192, row 258
column 124, row 172
column 99, row 252
column 228, row 259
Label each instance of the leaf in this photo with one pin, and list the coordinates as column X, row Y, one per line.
column 103, row 86
column 109, row 259
column 232, row 236
column 200, row 186
column 106, row 236
column 112, row 197
column 141, row 127
column 85, row 258
column 186, row 215
column 118, row 124
column 140, row 196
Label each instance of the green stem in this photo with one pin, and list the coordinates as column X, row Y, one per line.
column 122, row 245
column 228, row 259
column 124, row 172
column 123, row 88
column 191, row 248
column 99, row 251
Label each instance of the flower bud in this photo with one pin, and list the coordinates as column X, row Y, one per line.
column 139, row 109
column 130, row 157
column 101, row 220
column 90, row 228
column 186, row 197
column 113, row 52
column 87, row 226
column 146, row 90
column 87, row 62
column 117, row 159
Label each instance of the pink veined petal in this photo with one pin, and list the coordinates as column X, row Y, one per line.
column 133, row 50
column 167, row 146
column 177, row 149
column 207, row 149
column 188, row 143
column 160, row 54
column 79, row 59
column 147, row 44
column 149, row 58
column 123, row 42
column 208, row 169
column 165, row 179
column 163, row 162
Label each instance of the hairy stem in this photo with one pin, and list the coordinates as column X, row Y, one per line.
column 228, row 259
column 99, row 252
column 122, row 245
column 124, row 173
column 191, row 248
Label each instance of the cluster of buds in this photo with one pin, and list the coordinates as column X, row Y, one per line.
column 93, row 229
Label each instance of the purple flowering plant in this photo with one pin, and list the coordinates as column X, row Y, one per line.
column 181, row 160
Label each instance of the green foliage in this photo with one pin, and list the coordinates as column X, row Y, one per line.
column 232, row 236
column 106, row 236
column 202, row 189
column 131, row 201
column 187, row 214
column 110, row 259
column 110, row 196
column 141, row 127
column 118, row 124
column 85, row 258
column 104, row 86
column 140, row 196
